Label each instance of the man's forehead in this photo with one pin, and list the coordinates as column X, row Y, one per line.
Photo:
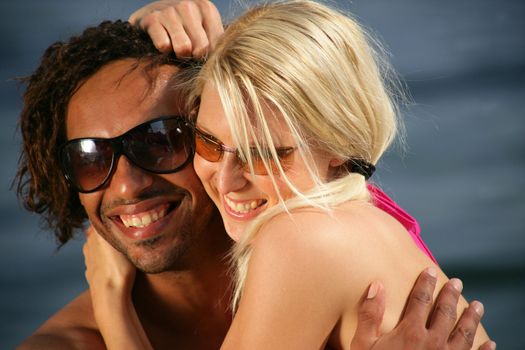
column 119, row 96
column 128, row 77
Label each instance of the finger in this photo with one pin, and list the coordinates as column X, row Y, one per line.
column 369, row 317
column 463, row 335
column 90, row 230
column 152, row 23
column 172, row 23
column 420, row 299
column 488, row 345
column 211, row 21
column 137, row 16
column 444, row 315
column 85, row 251
column 193, row 26
column 160, row 37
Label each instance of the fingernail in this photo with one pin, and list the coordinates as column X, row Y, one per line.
column 432, row 272
column 457, row 284
column 372, row 291
column 492, row 345
column 478, row 307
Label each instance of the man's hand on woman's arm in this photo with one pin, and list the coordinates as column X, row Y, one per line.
column 188, row 27
column 424, row 325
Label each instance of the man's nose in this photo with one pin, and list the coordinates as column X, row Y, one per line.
column 230, row 175
column 128, row 180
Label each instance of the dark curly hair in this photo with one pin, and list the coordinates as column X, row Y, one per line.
column 64, row 66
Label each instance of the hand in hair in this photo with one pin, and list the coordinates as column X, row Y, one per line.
column 188, row 27
column 412, row 331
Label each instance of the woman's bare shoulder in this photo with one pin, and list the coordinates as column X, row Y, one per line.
column 351, row 223
column 344, row 242
column 355, row 242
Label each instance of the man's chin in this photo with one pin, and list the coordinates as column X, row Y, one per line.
column 159, row 253
column 156, row 266
column 154, row 258
column 152, row 267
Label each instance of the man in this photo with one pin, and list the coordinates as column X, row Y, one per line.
column 101, row 84
column 97, row 87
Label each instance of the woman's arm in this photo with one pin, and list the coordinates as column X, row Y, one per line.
column 110, row 277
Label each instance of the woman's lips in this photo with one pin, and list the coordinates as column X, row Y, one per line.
column 243, row 210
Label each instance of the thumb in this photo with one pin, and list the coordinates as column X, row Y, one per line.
column 369, row 317
column 90, row 230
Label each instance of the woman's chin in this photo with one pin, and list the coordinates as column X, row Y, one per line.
column 234, row 231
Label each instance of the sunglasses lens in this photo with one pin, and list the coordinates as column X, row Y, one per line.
column 162, row 146
column 207, row 148
column 258, row 164
column 211, row 150
column 284, row 156
column 87, row 163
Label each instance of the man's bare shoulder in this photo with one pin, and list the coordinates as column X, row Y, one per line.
column 73, row 327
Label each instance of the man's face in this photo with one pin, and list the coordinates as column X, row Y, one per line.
column 151, row 218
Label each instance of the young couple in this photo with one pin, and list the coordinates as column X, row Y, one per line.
column 287, row 117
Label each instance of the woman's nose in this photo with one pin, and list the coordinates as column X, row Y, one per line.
column 230, row 175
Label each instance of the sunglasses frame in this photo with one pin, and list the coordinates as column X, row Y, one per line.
column 117, row 145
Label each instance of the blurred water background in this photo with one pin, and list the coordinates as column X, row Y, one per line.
column 463, row 175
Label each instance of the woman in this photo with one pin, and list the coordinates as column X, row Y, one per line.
column 294, row 112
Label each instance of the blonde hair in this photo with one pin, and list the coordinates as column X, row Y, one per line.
column 318, row 71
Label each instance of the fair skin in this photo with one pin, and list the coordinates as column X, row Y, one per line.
column 190, row 28
column 229, row 186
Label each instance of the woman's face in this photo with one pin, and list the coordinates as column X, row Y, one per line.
column 239, row 195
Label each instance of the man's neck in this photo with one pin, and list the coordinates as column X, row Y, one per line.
column 189, row 308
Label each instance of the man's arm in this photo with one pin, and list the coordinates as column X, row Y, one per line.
column 73, row 327
column 424, row 325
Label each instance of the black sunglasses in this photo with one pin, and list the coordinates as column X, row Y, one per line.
column 162, row 145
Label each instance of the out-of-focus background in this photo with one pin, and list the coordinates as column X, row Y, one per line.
column 463, row 175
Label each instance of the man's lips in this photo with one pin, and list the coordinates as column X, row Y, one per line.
column 137, row 223
column 145, row 218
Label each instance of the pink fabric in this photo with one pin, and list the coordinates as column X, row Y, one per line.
column 385, row 203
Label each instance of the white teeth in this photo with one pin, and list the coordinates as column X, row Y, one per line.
column 146, row 220
column 142, row 219
column 136, row 222
column 243, row 207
